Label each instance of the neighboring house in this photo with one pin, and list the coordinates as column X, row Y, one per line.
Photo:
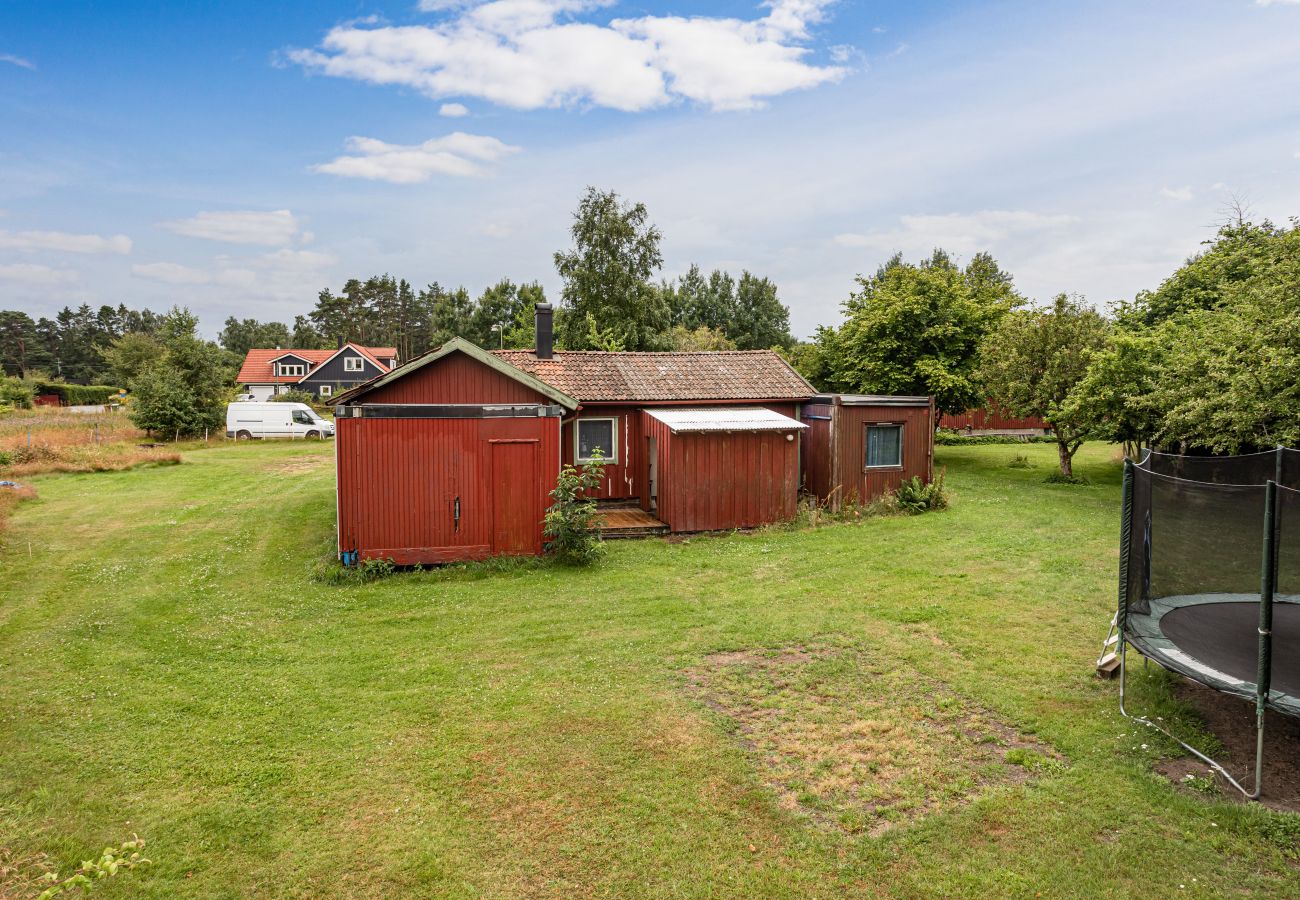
column 324, row 373
column 452, row 455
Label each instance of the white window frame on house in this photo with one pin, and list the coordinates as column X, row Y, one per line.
column 354, row 364
column 613, row 437
column 866, row 445
column 294, row 369
column 326, row 390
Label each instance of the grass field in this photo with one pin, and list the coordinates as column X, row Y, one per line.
column 904, row 706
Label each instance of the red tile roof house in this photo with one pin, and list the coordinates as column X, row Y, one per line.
column 452, row 455
column 324, row 373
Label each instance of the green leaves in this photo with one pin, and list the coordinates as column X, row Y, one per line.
column 916, row 329
column 571, row 524
column 114, row 859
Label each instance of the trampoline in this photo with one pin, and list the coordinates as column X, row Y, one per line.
column 1210, row 578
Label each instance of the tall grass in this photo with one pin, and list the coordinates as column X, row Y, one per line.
column 34, row 442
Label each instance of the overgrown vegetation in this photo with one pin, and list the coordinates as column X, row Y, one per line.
column 111, row 860
column 571, row 525
column 917, row 496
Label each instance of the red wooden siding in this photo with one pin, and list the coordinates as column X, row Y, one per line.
column 398, row 480
column 455, row 378
column 815, row 444
column 990, row 419
column 719, row 480
column 626, row 479
column 835, row 453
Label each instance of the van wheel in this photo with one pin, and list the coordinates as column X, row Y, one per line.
column 243, row 436
column 312, row 435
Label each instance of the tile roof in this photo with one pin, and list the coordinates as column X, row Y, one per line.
column 257, row 365
column 748, row 418
column 637, row 377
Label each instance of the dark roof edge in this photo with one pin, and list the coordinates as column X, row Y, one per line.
column 872, row 399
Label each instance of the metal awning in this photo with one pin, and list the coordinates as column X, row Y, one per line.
column 751, row 418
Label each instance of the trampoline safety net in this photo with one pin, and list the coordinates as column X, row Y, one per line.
column 1210, row 558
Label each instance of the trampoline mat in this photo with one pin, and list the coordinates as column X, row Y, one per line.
column 1214, row 639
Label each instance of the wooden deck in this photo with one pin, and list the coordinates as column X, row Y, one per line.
column 624, row 521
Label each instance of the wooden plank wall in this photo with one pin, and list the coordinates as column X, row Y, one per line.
column 398, row 480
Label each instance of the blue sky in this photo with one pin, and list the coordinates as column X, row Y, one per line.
column 238, row 157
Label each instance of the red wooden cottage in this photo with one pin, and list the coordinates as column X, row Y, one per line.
column 452, row 455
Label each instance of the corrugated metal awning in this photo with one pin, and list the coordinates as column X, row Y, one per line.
column 712, row 419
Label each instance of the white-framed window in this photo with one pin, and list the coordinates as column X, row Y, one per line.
column 884, row 446
column 354, row 364
column 293, row 369
column 326, row 390
column 590, row 435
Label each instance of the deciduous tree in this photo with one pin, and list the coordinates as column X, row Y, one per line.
column 1034, row 359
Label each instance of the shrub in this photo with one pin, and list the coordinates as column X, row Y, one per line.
column 296, row 397
column 571, row 524
column 915, row 496
column 16, row 393
column 947, row 438
column 76, row 394
column 1020, row 461
column 1060, row 478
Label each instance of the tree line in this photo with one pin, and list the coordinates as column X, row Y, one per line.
column 1208, row 362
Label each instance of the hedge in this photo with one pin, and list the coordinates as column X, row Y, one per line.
column 77, row 394
column 955, row 439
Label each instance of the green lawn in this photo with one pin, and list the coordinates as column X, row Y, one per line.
column 169, row 667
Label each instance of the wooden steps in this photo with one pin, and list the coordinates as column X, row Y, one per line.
column 627, row 520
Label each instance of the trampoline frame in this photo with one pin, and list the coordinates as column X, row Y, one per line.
column 1268, row 588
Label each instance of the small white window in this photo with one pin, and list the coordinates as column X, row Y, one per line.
column 591, row 435
column 292, row 369
column 884, row 446
column 354, row 364
column 326, row 390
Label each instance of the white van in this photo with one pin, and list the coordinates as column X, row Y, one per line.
column 247, row 419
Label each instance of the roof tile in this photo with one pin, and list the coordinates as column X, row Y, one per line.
column 702, row 375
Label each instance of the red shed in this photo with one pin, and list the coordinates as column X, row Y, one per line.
column 861, row 446
column 713, row 469
column 450, row 457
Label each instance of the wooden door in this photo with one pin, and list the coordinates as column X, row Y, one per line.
column 516, row 520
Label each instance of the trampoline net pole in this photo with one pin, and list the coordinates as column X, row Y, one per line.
column 1125, row 545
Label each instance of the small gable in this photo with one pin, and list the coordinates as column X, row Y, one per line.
column 455, row 378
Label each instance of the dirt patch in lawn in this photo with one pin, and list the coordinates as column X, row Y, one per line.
column 1232, row 721
column 858, row 743
column 299, row 465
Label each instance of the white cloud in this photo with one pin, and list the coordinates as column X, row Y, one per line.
column 27, row 273
column 453, row 110
column 269, row 229
column 64, row 242
column 17, row 61
column 1277, row 2
column 529, row 54
column 457, row 154
column 300, row 260
column 175, row 273
column 956, row 232
column 1182, row 194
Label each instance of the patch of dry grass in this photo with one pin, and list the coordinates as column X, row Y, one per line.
column 58, row 428
column 856, row 741
column 9, row 498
